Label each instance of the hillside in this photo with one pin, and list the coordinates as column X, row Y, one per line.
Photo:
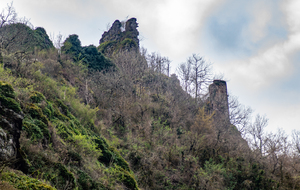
column 112, row 117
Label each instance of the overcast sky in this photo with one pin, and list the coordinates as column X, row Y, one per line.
column 255, row 44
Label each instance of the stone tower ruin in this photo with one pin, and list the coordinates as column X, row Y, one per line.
column 218, row 103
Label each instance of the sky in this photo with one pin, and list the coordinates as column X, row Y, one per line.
column 254, row 44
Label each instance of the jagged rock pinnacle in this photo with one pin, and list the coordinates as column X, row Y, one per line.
column 113, row 34
column 121, row 36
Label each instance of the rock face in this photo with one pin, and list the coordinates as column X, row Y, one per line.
column 11, row 125
column 131, row 30
column 121, row 36
column 11, row 119
column 114, row 33
column 218, row 102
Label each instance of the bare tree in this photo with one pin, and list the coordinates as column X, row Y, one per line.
column 296, row 140
column 201, row 75
column 184, row 73
column 58, row 41
column 158, row 63
column 257, row 135
column 276, row 149
column 239, row 114
column 8, row 15
column 13, row 31
column 195, row 75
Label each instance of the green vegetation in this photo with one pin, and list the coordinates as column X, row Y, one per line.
column 7, row 96
column 88, row 55
column 23, row 182
column 106, row 46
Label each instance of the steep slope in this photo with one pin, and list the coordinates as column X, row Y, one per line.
column 81, row 120
column 56, row 146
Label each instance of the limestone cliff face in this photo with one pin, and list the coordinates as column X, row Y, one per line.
column 115, row 39
column 11, row 119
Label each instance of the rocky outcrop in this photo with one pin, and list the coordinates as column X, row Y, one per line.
column 11, row 119
column 131, row 30
column 113, row 34
column 121, row 36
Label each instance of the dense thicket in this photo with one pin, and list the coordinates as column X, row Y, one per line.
column 89, row 55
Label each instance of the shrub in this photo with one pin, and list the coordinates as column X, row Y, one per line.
column 7, row 90
column 24, row 182
column 87, row 183
column 36, row 129
column 37, row 97
column 127, row 178
column 36, row 113
column 106, row 45
column 85, row 146
column 10, row 103
column 66, row 176
column 110, row 155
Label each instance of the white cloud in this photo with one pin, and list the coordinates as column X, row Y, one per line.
column 272, row 63
column 261, row 14
column 283, row 116
column 291, row 9
column 262, row 69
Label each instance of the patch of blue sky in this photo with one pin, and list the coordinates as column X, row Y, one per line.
column 227, row 36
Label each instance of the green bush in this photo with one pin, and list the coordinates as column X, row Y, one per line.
column 106, row 45
column 59, row 115
column 7, row 90
column 48, row 110
column 128, row 43
column 127, row 179
column 10, row 103
column 7, row 95
column 66, row 176
column 33, row 131
column 24, row 182
column 75, row 158
column 85, row 182
column 37, row 97
column 110, row 155
column 36, row 129
column 63, row 130
column 36, row 113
